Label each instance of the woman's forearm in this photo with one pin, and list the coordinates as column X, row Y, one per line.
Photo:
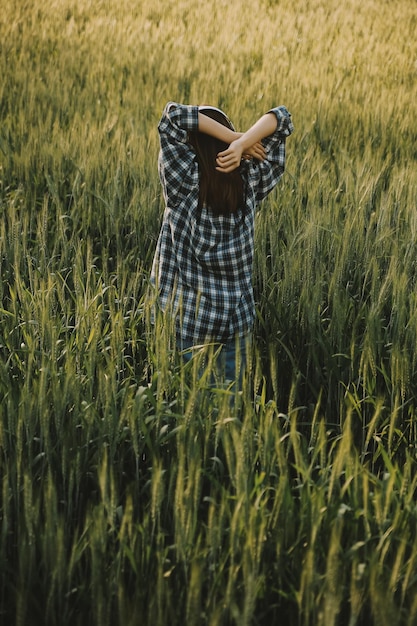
column 229, row 159
column 210, row 127
column 264, row 127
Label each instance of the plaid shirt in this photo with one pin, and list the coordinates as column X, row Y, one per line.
column 202, row 267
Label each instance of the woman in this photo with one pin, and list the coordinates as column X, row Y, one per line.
column 213, row 178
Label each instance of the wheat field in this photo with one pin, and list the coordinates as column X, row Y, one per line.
column 130, row 493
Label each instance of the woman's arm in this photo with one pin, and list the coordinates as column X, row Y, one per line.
column 230, row 159
column 210, row 127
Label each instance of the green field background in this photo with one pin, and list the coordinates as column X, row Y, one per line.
column 129, row 493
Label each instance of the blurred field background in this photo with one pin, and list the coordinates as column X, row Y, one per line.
column 129, row 495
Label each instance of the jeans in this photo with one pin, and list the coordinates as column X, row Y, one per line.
column 228, row 360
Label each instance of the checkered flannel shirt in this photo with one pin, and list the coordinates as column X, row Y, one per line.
column 202, row 269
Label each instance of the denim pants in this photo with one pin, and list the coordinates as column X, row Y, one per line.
column 228, row 360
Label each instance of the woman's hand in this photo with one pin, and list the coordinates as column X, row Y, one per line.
column 257, row 151
column 230, row 159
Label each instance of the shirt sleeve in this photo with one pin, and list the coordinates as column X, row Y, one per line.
column 273, row 167
column 177, row 162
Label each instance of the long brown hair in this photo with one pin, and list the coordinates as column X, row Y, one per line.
column 222, row 193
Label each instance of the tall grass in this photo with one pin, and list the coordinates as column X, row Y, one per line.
column 130, row 493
